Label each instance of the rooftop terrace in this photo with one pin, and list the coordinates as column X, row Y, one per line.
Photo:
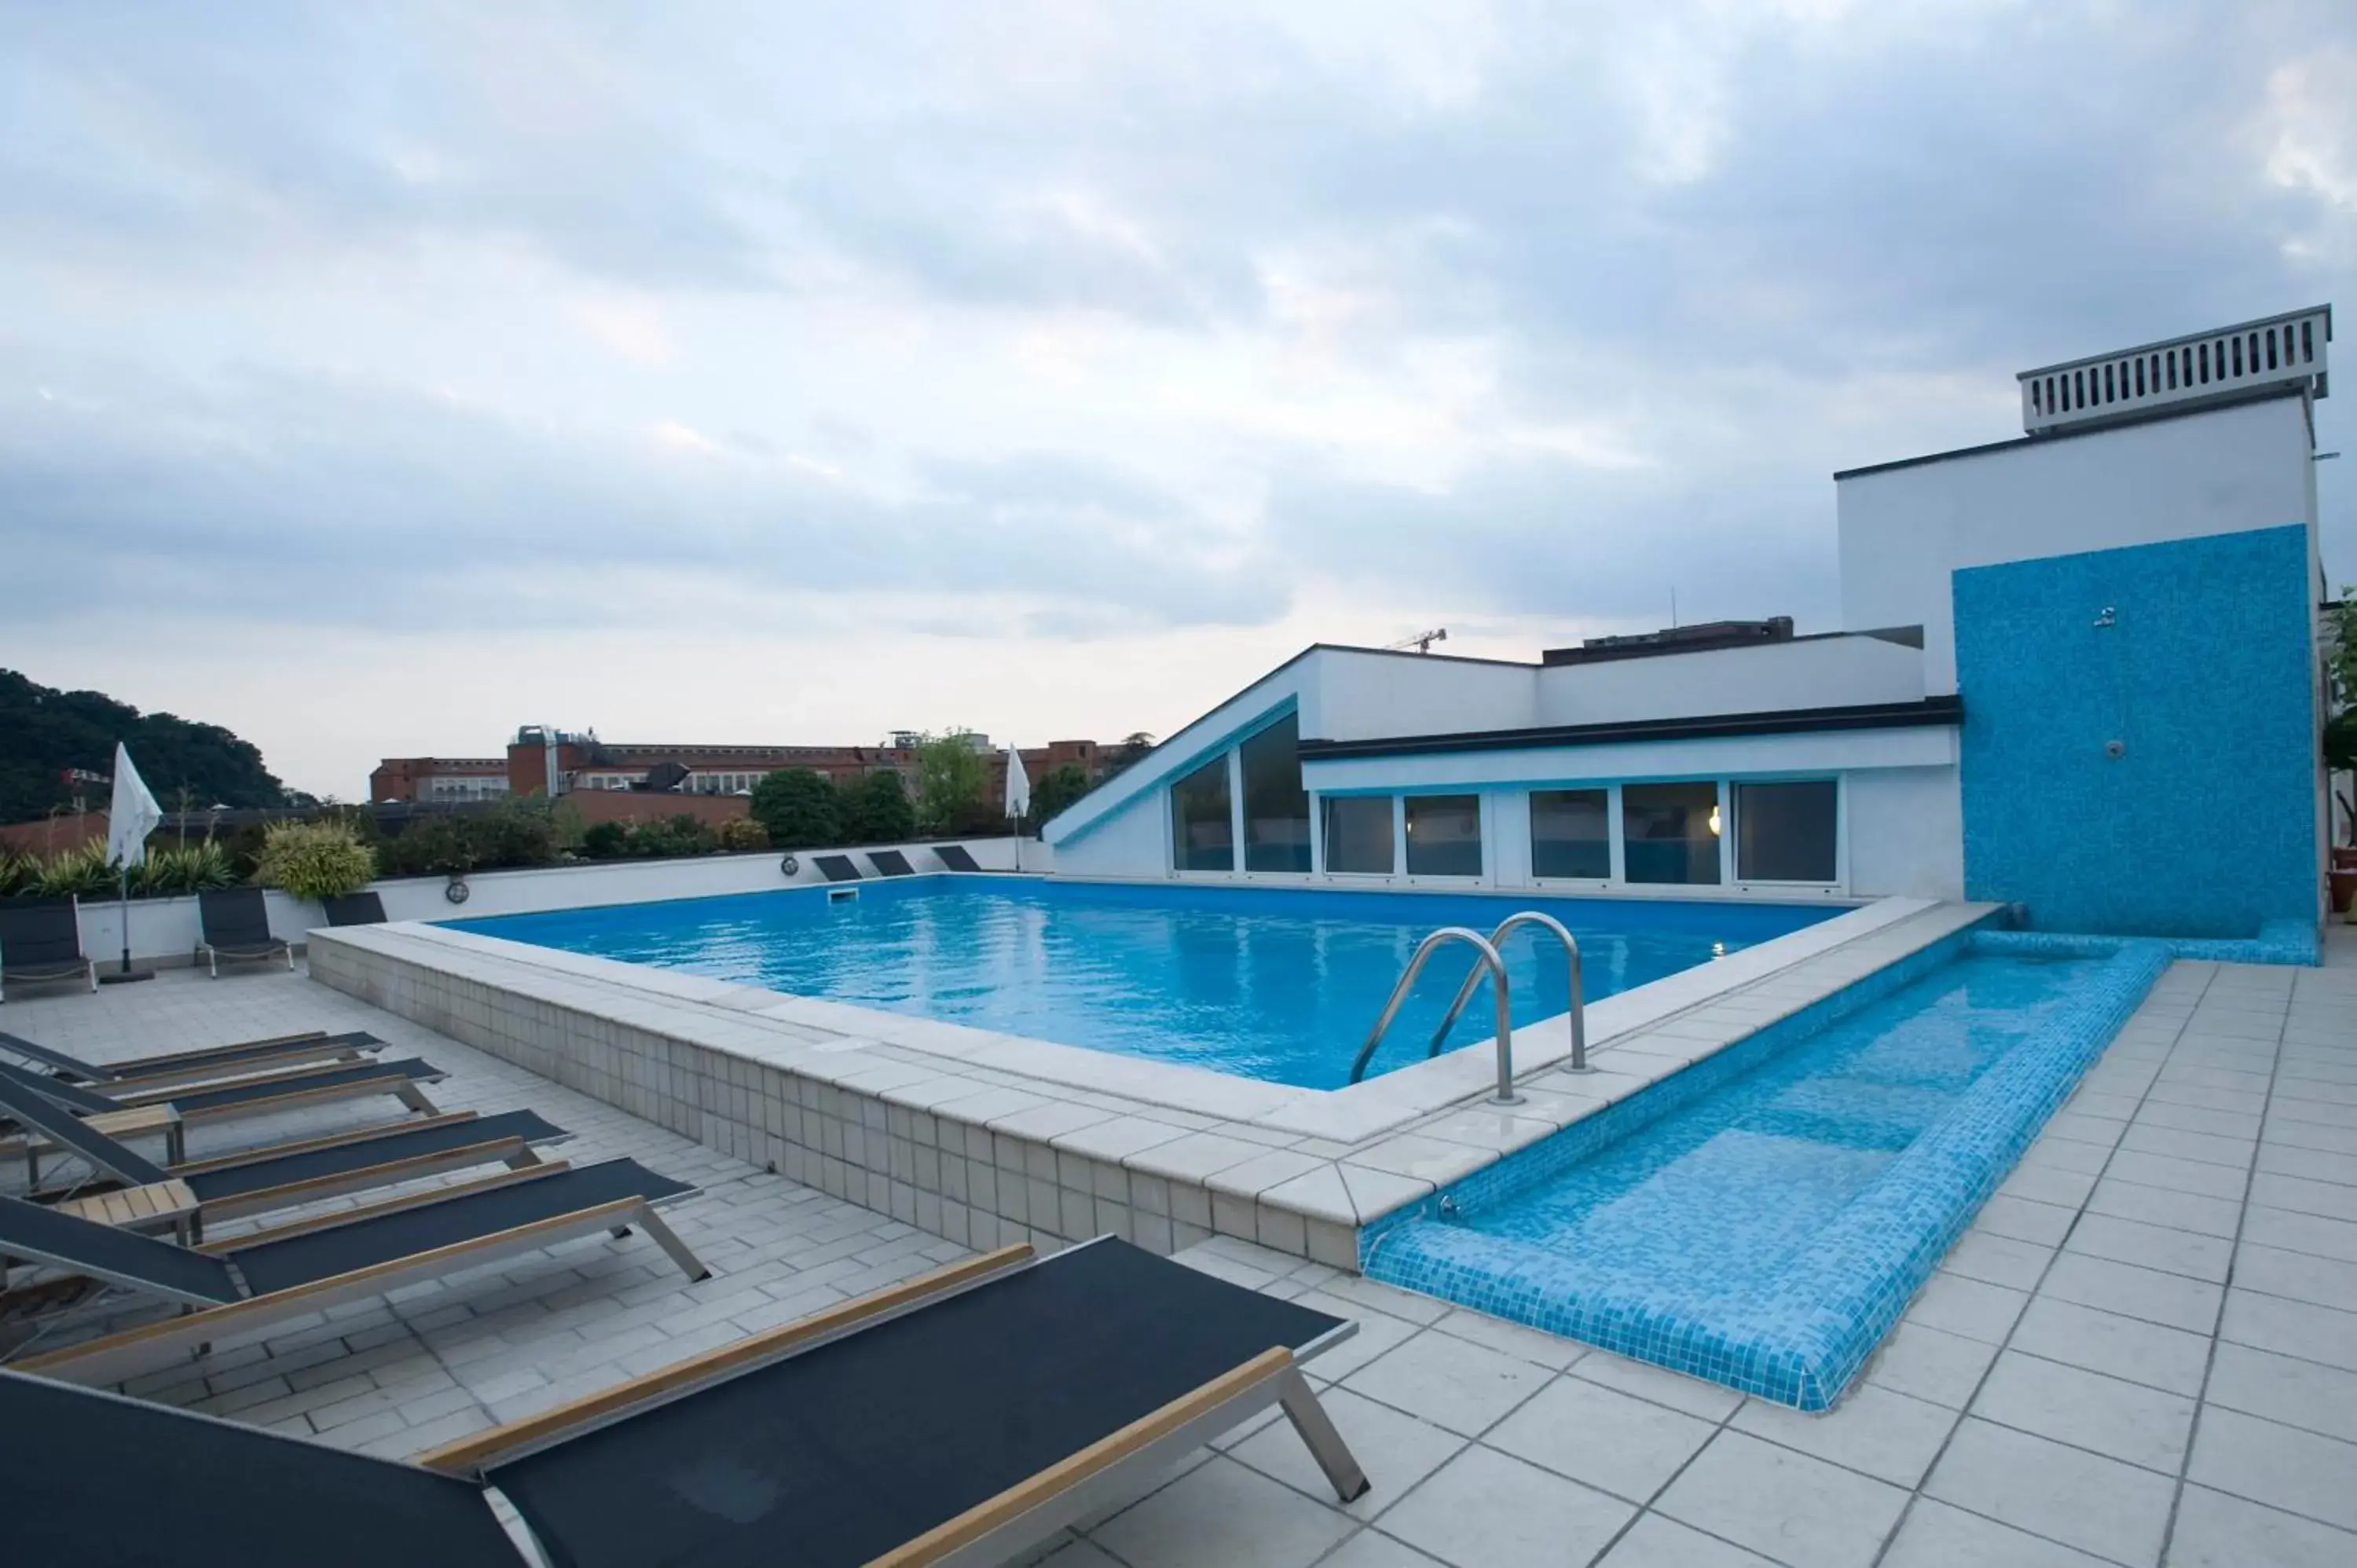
column 2145, row 1351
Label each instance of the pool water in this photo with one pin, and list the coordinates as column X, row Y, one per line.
column 1276, row 985
column 1756, row 1226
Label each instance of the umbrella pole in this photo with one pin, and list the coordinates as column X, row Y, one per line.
column 122, row 913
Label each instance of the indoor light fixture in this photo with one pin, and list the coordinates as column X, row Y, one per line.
column 1713, row 822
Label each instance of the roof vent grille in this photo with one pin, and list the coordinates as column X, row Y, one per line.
column 2198, row 367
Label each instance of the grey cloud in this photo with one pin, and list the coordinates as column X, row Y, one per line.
column 368, row 504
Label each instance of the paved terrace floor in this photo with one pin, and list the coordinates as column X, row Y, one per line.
column 2144, row 1352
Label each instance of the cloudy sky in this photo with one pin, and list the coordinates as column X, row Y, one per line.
column 374, row 379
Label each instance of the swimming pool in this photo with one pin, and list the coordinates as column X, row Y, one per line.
column 1763, row 1219
column 1275, row 984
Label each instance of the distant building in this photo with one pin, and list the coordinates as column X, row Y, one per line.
column 545, row 761
column 443, row 779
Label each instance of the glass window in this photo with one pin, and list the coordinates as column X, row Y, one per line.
column 1571, row 834
column 1670, row 833
column 1205, row 838
column 1784, row 832
column 1276, row 807
column 1358, row 833
column 1444, row 835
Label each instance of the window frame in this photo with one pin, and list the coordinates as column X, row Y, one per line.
column 1483, row 819
column 1840, row 781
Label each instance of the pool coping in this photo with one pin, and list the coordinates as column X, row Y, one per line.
column 936, row 1122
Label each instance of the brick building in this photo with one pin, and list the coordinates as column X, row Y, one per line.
column 439, row 780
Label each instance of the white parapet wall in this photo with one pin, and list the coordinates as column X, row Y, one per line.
column 164, row 932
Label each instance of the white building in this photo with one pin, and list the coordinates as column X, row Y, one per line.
column 2077, row 670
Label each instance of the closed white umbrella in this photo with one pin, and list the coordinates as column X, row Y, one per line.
column 1019, row 800
column 132, row 816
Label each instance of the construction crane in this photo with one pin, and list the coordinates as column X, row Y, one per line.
column 1422, row 641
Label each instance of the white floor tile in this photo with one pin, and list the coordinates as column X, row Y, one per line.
column 1449, row 1381
column 1609, row 1440
column 2082, row 1500
column 1487, row 1510
column 1785, row 1505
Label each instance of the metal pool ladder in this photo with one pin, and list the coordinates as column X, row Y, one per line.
column 1485, row 952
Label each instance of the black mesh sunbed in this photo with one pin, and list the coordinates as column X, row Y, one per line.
column 953, row 857
column 860, row 1444
column 837, row 868
column 236, row 922
column 891, row 863
column 393, row 1145
column 355, row 908
column 255, row 1280
column 212, row 1494
column 216, row 1060
column 317, row 1168
column 40, row 939
column 256, row 1096
column 958, row 1418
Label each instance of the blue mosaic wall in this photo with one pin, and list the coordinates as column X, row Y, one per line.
column 2204, row 825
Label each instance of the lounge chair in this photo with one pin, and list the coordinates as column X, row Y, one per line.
column 40, row 939
column 206, row 1061
column 170, row 1112
column 186, row 1195
column 955, row 1419
column 236, row 923
column 837, row 868
column 355, row 908
column 890, row 862
column 250, row 1282
column 954, row 857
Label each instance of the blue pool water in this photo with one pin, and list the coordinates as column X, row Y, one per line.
column 1762, row 1218
column 1279, row 984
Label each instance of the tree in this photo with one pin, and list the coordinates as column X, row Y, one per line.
column 950, row 778
column 877, row 811
column 799, row 808
column 1056, row 790
column 1134, row 745
column 45, row 732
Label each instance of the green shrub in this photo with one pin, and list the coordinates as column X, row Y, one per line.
column 740, row 835
column 509, row 834
column 877, row 811
column 17, row 871
column 176, row 871
column 607, row 840
column 84, row 872
column 799, row 808
column 1057, row 790
column 685, row 834
column 314, row 860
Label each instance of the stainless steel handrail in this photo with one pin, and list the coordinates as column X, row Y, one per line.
column 1489, row 959
column 1498, row 940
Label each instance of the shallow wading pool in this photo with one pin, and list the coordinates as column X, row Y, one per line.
column 1272, row 983
column 1762, row 1218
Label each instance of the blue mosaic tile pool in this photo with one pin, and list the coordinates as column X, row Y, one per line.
column 1762, row 1218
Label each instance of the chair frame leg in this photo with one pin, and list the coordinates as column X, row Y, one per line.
column 668, row 1239
column 1318, row 1432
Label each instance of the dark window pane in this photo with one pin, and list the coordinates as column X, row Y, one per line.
column 1276, row 807
column 1444, row 835
column 1670, row 833
column 1571, row 834
column 1784, row 832
column 1358, row 833
column 1199, row 824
